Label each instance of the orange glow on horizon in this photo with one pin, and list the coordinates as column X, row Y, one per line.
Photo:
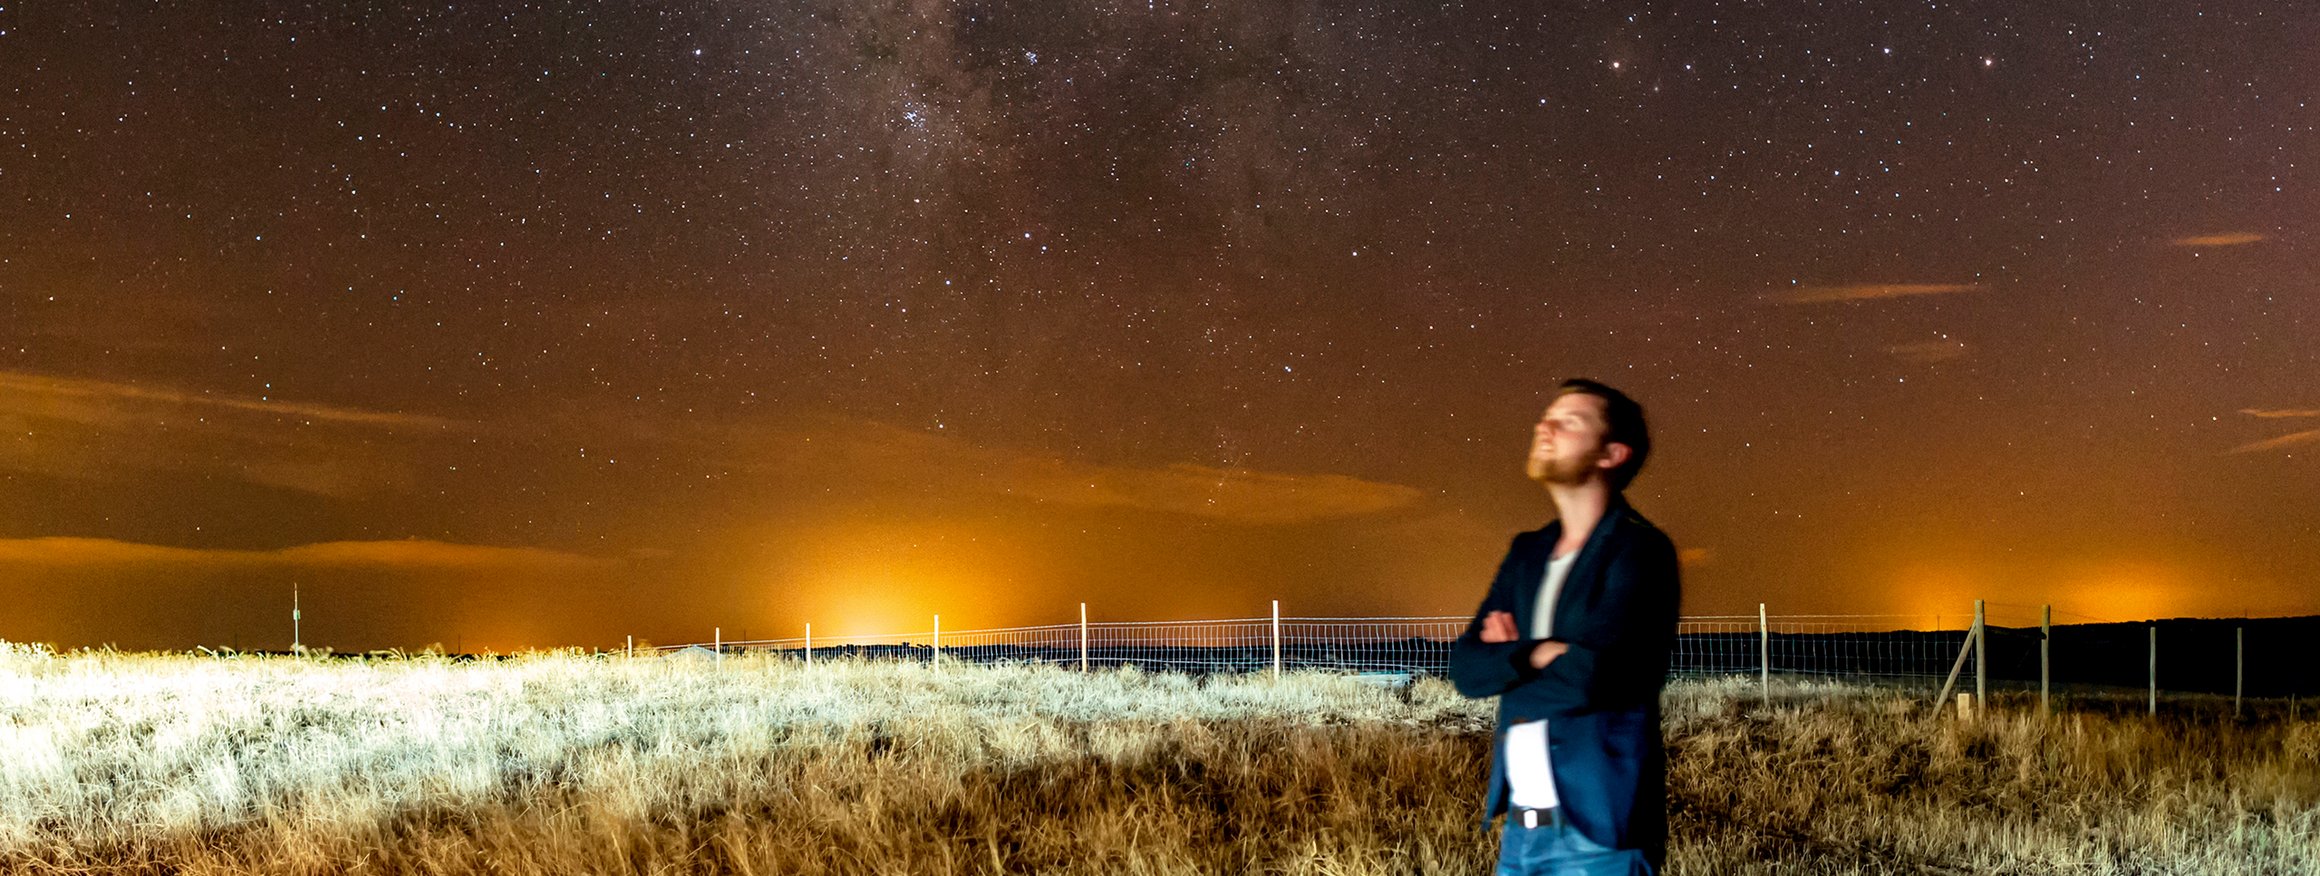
column 893, row 579
column 2128, row 590
column 1937, row 597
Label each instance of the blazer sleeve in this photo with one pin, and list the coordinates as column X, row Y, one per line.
column 1483, row 669
column 1620, row 660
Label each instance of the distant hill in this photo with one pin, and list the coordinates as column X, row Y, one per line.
column 2195, row 654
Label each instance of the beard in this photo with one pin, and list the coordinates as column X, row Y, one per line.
column 1560, row 472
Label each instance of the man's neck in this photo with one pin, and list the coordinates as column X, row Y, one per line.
column 1579, row 507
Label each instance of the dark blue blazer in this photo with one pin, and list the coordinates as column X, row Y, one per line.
column 1617, row 611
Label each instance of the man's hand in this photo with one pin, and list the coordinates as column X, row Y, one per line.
column 1498, row 628
column 1546, row 653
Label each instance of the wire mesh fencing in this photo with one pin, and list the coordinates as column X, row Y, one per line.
column 2015, row 647
column 1852, row 646
column 1828, row 645
column 1379, row 644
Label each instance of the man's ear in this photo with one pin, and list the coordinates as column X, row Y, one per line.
column 1615, row 455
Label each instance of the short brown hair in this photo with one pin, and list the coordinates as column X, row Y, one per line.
column 1622, row 424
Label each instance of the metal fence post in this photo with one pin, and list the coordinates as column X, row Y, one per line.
column 1981, row 659
column 718, row 638
column 2045, row 659
column 1083, row 637
column 1763, row 655
column 809, row 645
column 937, row 662
column 632, row 644
column 1276, row 638
column 2154, row 669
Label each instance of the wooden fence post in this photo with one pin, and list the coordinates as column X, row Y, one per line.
column 1276, row 639
column 1083, row 637
column 1965, row 649
column 1981, row 659
column 2045, row 659
column 1763, row 655
column 2154, row 669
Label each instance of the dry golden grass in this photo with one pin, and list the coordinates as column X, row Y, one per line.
column 1834, row 779
column 561, row 763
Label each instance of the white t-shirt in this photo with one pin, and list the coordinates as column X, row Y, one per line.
column 1530, row 775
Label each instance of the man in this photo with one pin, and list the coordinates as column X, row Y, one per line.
column 1573, row 640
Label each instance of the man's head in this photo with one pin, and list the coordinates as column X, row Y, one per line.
column 1589, row 430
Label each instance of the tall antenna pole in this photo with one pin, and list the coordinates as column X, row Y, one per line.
column 296, row 643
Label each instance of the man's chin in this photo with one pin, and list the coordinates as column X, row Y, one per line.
column 1548, row 477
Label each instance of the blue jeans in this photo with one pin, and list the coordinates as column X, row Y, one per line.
column 1560, row 850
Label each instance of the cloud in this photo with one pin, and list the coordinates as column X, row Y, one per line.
column 17, row 387
column 1230, row 494
column 2289, row 440
column 426, row 554
column 405, row 555
column 855, row 449
column 2227, row 238
column 1929, row 351
column 1870, row 291
column 82, row 429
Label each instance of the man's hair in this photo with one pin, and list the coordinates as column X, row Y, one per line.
column 1622, row 424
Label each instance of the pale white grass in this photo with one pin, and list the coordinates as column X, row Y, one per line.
column 104, row 751
column 557, row 763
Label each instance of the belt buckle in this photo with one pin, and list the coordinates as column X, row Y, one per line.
column 1531, row 818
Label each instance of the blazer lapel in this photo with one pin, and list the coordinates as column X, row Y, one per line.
column 1531, row 572
column 1580, row 584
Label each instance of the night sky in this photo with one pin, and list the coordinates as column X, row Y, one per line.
column 501, row 326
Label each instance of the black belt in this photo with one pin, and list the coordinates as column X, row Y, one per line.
column 1535, row 818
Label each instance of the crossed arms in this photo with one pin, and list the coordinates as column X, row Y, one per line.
column 1615, row 657
column 1498, row 628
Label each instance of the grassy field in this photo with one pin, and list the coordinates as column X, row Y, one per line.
column 568, row 764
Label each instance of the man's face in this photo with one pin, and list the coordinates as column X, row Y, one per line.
column 1567, row 445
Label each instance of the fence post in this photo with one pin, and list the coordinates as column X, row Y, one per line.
column 1763, row 655
column 1965, row 648
column 632, row 644
column 2045, row 659
column 937, row 662
column 1981, row 659
column 718, row 638
column 2154, row 669
column 1276, row 639
column 2238, row 667
column 809, row 645
column 1083, row 637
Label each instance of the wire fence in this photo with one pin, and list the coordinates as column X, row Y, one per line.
column 1832, row 645
column 2026, row 653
